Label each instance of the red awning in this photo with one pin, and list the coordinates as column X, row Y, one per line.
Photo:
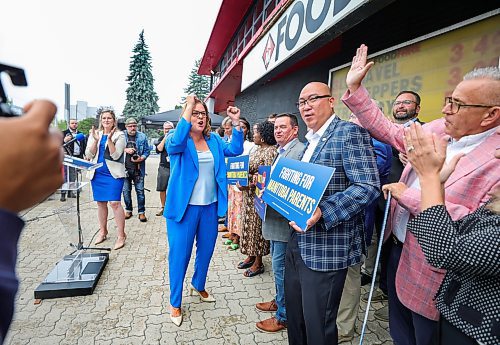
column 230, row 16
column 228, row 87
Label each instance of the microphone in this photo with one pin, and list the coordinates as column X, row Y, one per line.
column 78, row 137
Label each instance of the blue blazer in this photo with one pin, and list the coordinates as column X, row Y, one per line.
column 184, row 168
column 337, row 241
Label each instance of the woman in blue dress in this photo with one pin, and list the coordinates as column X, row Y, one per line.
column 106, row 145
column 196, row 196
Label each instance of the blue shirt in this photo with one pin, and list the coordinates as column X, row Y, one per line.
column 204, row 188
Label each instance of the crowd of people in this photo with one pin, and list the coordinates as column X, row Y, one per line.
column 440, row 262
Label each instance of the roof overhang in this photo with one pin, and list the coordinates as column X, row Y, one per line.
column 231, row 14
column 228, row 87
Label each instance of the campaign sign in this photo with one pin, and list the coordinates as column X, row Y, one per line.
column 295, row 189
column 237, row 170
column 262, row 181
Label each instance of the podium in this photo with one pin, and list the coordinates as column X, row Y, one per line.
column 78, row 273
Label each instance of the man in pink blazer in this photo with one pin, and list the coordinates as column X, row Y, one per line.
column 470, row 118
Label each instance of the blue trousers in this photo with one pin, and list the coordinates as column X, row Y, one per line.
column 278, row 251
column 199, row 222
column 138, row 182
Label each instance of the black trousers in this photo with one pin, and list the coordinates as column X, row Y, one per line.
column 450, row 335
column 406, row 326
column 312, row 300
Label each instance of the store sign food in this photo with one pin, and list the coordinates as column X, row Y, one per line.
column 303, row 21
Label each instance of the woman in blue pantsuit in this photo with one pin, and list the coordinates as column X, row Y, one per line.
column 196, row 196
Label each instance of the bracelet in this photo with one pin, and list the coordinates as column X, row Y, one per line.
column 235, row 125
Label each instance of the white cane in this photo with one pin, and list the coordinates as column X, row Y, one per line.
column 374, row 274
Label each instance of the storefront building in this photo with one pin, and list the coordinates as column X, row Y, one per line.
column 262, row 52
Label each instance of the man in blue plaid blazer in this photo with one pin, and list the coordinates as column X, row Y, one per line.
column 317, row 259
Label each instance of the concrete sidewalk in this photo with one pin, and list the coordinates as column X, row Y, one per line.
column 130, row 303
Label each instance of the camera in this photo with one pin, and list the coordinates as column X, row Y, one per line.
column 132, row 145
column 18, row 78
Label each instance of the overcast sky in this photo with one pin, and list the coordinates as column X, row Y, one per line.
column 88, row 44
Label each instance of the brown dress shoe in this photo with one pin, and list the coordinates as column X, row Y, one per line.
column 142, row 218
column 271, row 325
column 267, row 307
column 222, row 229
column 128, row 215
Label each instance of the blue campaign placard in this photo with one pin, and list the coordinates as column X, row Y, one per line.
column 295, row 189
column 262, row 181
column 237, row 170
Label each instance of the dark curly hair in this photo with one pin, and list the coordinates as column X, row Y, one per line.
column 249, row 128
column 266, row 131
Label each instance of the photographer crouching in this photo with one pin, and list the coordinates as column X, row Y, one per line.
column 137, row 150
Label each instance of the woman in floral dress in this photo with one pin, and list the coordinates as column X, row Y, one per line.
column 252, row 242
column 235, row 211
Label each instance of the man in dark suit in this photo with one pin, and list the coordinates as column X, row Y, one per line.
column 75, row 149
column 317, row 257
column 276, row 229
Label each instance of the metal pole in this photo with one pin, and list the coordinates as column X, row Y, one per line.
column 374, row 274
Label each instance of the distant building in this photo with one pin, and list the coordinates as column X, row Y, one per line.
column 81, row 111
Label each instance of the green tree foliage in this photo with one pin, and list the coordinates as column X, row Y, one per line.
column 198, row 85
column 62, row 125
column 85, row 125
column 141, row 96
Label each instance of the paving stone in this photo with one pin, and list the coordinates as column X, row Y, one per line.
column 130, row 303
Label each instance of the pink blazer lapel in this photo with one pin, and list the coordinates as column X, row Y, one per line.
column 475, row 159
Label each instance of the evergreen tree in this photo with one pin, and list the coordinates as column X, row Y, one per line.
column 141, row 96
column 198, row 85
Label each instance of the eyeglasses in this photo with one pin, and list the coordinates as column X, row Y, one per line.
column 405, row 102
column 198, row 113
column 311, row 100
column 455, row 106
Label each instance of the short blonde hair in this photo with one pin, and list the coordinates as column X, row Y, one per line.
column 226, row 120
column 168, row 123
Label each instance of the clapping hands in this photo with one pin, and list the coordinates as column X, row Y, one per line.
column 427, row 153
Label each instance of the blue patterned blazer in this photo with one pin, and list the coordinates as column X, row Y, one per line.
column 336, row 241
